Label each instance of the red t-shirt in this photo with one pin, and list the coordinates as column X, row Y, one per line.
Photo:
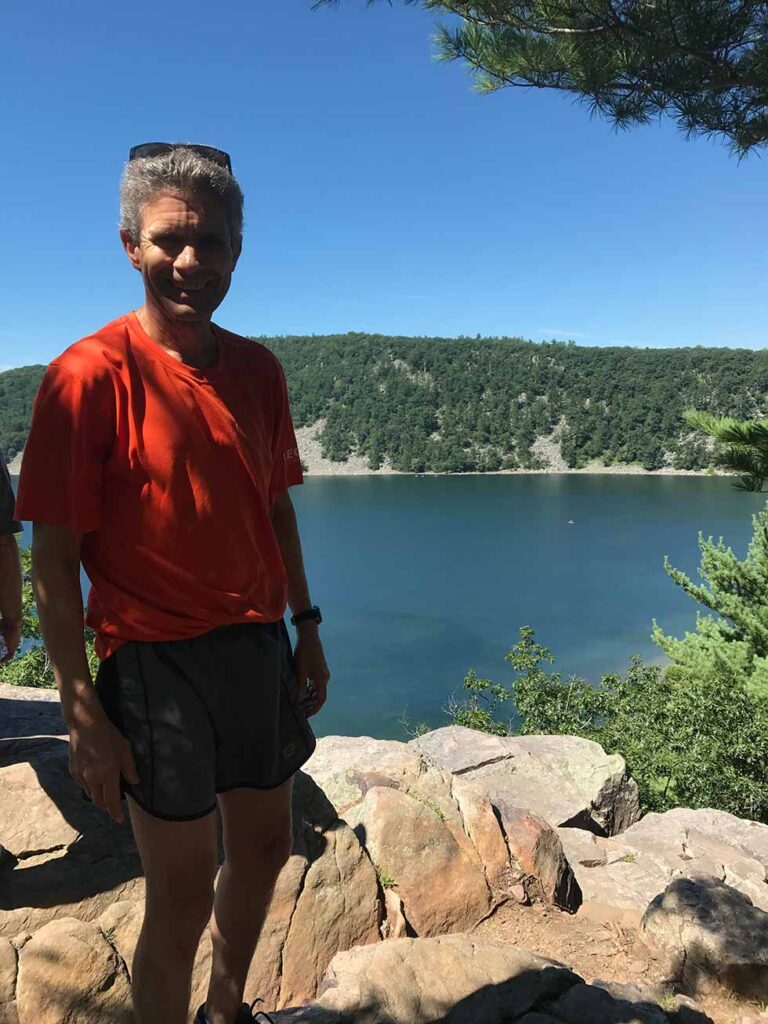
column 169, row 472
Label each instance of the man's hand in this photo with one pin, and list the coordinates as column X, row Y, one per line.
column 10, row 630
column 311, row 668
column 98, row 755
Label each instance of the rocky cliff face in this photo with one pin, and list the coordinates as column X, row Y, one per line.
column 401, row 850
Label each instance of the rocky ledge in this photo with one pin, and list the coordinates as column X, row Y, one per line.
column 401, row 850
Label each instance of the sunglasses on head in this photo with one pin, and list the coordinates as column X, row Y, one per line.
column 218, row 156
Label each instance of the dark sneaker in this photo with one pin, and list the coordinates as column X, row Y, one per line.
column 245, row 1016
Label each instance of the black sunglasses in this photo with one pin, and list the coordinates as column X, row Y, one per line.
column 158, row 148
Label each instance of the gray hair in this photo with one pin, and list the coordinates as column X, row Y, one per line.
column 180, row 171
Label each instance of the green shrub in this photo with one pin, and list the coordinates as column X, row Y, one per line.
column 32, row 667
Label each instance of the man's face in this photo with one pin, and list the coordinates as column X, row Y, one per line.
column 185, row 256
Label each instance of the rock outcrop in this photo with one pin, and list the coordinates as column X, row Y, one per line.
column 620, row 875
column 457, row 980
column 565, row 779
column 412, row 843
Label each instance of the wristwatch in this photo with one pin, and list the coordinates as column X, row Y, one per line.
column 311, row 613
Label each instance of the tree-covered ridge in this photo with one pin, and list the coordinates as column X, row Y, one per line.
column 17, row 390
column 464, row 404
column 458, row 405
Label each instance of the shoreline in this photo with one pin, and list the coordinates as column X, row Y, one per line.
column 357, row 466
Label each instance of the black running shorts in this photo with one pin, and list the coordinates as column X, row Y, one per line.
column 206, row 715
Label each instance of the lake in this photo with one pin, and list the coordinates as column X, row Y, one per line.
column 420, row 578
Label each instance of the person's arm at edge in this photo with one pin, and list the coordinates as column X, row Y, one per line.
column 10, row 594
column 308, row 655
column 98, row 753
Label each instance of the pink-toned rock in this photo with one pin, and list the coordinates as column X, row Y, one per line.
column 338, row 908
column 8, row 967
column 326, row 899
column 483, row 828
column 69, row 972
column 121, row 924
column 442, row 888
column 536, row 847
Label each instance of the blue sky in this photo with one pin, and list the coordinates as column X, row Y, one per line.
column 382, row 193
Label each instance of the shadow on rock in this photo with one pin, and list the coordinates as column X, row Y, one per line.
column 42, row 717
column 60, row 849
column 711, row 934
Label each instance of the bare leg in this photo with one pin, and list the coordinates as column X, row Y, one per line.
column 179, row 861
column 257, row 843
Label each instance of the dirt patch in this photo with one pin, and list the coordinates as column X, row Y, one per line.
column 599, row 951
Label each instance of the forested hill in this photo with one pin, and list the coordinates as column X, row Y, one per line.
column 453, row 405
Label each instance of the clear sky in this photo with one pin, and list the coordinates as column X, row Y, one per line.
column 382, row 193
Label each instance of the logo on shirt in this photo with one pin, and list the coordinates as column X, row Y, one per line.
column 290, row 453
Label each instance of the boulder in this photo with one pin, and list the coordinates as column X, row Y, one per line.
column 565, row 779
column 620, row 875
column 346, row 767
column 535, row 846
column 441, row 886
column 65, row 856
column 326, row 899
column 8, row 967
column 69, row 972
column 452, row 978
column 338, row 908
column 121, row 925
column 710, row 932
column 582, row 1003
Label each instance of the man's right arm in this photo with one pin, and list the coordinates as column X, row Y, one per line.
column 10, row 595
column 98, row 752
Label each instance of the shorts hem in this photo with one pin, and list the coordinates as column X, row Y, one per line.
column 256, row 785
column 172, row 817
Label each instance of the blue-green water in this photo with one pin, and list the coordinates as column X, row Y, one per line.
column 420, row 578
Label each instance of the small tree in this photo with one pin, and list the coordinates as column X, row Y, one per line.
column 732, row 643
column 746, row 446
column 32, row 667
column 703, row 62
column 693, row 743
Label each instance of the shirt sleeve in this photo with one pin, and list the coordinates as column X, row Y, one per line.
column 7, row 523
column 72, row 433
column 286, row 462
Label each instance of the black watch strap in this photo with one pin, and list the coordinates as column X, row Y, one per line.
column 310, row 613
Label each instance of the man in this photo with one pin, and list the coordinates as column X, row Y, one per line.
column 10, row 570
column 160, row 455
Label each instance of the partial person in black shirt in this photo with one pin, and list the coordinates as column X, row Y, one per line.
column 10, row 570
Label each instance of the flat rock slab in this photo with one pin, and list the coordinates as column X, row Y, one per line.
column 620, row 875
column 452, row 978
column 65, row 856
column 30, row 711
column 565, row 779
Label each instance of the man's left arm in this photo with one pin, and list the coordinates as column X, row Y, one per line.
column 10, row 569
column 311, row 668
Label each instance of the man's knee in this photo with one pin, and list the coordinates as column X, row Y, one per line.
column 265, row 855
column 179, row 915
